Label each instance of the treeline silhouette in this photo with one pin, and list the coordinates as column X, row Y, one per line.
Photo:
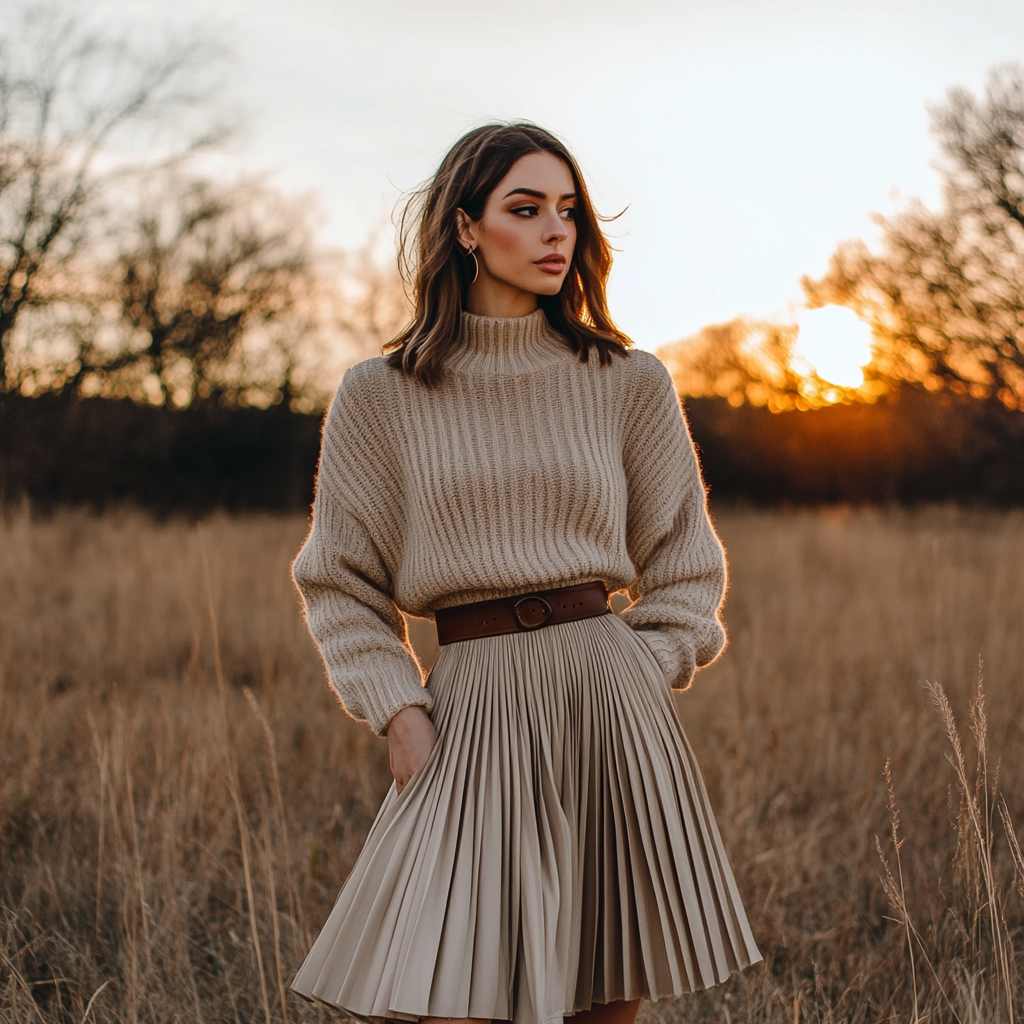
column 910, row 447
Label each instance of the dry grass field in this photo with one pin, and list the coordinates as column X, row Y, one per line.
column 180, row 796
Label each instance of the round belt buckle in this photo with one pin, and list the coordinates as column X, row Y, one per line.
column 531, row 611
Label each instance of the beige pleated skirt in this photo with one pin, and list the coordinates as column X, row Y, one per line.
column 557, row 848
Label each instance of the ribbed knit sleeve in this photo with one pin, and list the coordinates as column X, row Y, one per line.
column 680, row 562
column 342, row 575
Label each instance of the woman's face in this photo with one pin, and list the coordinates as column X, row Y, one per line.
column 529, row 215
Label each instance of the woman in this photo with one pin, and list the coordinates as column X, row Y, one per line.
column 548, row 847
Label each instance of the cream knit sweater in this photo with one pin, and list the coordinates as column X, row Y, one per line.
column 525, row 469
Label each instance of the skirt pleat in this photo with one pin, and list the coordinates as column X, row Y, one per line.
column 557, row 849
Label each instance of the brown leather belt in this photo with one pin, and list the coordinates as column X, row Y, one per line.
column 518, row 613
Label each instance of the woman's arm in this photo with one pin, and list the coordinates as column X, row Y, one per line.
column 681, row 565
column 344, row 581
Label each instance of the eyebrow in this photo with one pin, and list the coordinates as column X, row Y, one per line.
column 538, row 194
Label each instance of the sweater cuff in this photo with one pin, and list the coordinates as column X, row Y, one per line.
column 383, row 702
column 674, row 655
column 383, row 696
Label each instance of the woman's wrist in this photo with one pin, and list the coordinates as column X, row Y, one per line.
column 401, row 720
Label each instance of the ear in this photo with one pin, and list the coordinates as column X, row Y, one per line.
column 463, row 229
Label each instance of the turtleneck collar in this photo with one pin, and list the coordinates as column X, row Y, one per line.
column 506, row 344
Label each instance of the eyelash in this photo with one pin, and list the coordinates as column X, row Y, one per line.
column 570, row 209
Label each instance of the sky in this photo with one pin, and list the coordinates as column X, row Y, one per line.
column 743, row 141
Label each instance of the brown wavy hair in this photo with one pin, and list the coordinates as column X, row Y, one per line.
column 434, row 266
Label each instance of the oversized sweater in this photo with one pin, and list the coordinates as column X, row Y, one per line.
column 525, row 469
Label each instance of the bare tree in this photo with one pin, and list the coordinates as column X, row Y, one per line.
column 72, row 97
column 356, row 303
column 748, row 362
column 945, row 297
column 372, row 305
column 203, row 276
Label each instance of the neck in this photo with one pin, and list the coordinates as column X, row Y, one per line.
column 505, row 344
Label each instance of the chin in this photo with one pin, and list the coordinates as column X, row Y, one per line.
column 550, row 289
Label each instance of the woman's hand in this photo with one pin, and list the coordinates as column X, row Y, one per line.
column 411, row 736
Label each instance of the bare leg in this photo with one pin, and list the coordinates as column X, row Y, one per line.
column 455, row 1020
column 619, row 1012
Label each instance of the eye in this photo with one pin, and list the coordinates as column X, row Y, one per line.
column 569, row 209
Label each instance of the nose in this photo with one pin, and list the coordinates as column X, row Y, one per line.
column 556, row 231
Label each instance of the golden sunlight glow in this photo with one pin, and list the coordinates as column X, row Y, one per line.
column 834, row 343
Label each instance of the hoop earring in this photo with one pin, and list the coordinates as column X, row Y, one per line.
column 476, row 265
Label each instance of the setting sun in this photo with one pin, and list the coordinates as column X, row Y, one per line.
column 833, row 342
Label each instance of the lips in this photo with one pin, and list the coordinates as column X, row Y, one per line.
column 551, row 261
